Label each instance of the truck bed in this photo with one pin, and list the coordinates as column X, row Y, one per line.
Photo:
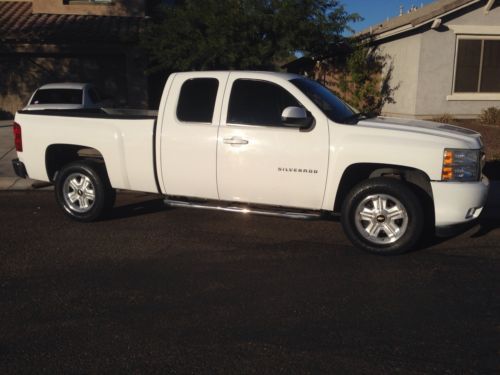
column 125, row 141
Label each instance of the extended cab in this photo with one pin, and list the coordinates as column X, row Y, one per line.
column 270, row 143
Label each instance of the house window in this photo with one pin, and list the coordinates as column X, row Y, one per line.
column 478, row 66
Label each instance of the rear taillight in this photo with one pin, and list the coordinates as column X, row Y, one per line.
column 18, row 139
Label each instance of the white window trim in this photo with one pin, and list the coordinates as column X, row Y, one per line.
column 473, row 32
column 486, row 30
column 473, row 96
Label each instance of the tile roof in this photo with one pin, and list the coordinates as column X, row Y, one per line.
column 418, row 17
column 19, row 24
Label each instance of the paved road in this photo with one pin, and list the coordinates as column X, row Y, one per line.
column 184, row 291
column 7, row 150
column 8, row 179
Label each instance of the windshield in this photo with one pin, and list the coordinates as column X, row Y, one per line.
column 327, row 101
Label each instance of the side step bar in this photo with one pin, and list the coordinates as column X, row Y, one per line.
column 244, row 210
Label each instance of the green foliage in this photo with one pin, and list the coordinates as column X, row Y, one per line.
column 365, row 82
column 445, row 118
column 242, row 34
column 490, row 116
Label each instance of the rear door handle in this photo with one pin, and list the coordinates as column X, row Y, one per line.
column 235, row 141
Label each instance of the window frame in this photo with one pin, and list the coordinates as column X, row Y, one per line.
column 75, row 90
column 472, row 95
column 179, row 99
column 265, row 126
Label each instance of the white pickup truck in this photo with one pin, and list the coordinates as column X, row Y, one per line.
column 268, row 143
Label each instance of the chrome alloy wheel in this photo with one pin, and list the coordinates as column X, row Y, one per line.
column 79, row 192
column 381, row 219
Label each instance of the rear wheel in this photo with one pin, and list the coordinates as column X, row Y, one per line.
column 383, row 216
column 83, row 191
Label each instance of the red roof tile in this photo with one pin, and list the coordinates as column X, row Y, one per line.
column 19, row 24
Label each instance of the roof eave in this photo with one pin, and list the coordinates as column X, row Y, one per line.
column 411, row 26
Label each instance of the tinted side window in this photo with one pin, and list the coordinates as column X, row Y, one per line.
column 332, row 106
column 258, row 103
column 57, row 96
column 197, row 100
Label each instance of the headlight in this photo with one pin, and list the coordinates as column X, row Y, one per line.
column 461, row 165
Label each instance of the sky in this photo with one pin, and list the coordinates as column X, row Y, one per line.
column 377, row 11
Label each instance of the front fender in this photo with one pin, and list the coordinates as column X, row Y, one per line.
column 350, row 145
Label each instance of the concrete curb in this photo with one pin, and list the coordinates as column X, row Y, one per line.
column 17, row 183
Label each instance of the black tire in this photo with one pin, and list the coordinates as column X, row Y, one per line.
column 394, row 229
column 88, row 184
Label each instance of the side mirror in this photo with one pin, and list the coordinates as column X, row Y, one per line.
column 295, row 117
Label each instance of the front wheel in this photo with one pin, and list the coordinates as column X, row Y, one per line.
column 83, row 191
column 383, row 216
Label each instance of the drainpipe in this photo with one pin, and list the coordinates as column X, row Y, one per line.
column 488, row 6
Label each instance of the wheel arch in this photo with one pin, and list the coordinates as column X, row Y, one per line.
column 58, row 155
column 355, row 173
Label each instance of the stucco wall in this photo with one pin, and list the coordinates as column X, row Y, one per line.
column 436, row 70
column 424, row 67
column 403, row 55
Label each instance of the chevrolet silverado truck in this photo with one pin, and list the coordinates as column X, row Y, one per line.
column 265, row 143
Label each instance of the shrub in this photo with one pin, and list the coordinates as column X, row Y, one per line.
column 366, row 82
column 490, row 116
column 445, row 118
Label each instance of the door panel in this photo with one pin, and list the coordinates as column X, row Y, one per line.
column 189, row 147
column 273, row 165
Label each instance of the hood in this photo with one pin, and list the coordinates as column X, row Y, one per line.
column 425, row 128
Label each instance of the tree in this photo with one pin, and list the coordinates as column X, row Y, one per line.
column 242, row 34
column 366, row 79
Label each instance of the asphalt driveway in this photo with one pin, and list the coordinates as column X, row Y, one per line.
column 183, row 291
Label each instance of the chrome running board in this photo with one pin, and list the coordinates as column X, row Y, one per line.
column 243, row 210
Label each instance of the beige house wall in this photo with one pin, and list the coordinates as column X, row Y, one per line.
column 403, row 55
column 437, row 66
column 424, row 66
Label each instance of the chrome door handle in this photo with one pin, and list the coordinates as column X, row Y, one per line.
column 235, row 141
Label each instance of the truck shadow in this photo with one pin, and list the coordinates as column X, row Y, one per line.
column 145, row 204
column 490, row 217
column 486, row 226
column 143, row 207
column 488, row 221
column 492, row 170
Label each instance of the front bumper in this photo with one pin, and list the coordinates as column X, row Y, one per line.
column 19, row 168
column 458, row 202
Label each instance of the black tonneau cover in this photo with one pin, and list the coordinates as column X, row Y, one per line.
column 111, row 113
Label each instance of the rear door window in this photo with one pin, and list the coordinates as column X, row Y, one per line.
column 57, row 96
column 197, row 100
